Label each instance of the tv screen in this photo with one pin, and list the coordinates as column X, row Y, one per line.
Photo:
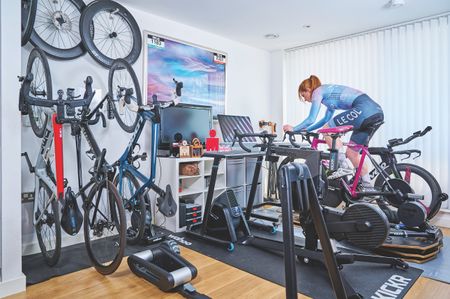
column 191, row 121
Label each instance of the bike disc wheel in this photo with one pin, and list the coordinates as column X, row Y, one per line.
column 135, row 210
column 28, row 17
column 121, row 77
column 109, row 31
column 41, row 87
column 422, row 182
column 56, row 28
column 104, row 227
column 48, row 228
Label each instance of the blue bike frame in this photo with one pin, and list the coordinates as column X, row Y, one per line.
column 126, row 160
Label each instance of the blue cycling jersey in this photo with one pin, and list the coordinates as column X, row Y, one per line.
column 334, row 97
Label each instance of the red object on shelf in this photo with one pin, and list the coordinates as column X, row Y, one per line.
column 212, row 143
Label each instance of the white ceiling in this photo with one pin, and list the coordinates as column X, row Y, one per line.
column 247, row 21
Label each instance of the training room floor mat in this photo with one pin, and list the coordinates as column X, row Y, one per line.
column 367, row 279
column 438, row 268
column 73, row 258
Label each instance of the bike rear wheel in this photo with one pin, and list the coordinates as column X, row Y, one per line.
column 41, row 87
column 125, row 92
column 104, row 227
column 135, row 210
column 48, row 228
column 422, row 182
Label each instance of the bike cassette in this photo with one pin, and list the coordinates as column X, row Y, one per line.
column 397, row 185
column 373, row 218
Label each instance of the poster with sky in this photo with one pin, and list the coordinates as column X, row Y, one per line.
column 202, row 72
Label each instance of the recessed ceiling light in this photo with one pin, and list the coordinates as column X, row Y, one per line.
column 306, row 26
column 395, row 3
column 272, row 36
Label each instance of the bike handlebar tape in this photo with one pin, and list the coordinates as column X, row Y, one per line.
column 59, row 159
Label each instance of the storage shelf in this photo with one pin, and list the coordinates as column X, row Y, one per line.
column 219, row 173
column 190, row 192
column 189, row 176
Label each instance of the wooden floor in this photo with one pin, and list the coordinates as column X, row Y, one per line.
column 215, row 279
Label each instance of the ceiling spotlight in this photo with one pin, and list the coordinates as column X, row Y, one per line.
column 306, row 26
column 272, row 36
column 395, row 3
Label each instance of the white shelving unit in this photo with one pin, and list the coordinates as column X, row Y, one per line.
column 187, row 188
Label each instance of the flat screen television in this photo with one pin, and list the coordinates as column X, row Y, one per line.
column 191, row 121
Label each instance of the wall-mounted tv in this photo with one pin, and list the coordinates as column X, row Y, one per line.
column 191, row 121
column 202, row 71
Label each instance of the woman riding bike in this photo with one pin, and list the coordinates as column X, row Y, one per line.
column 360, row 111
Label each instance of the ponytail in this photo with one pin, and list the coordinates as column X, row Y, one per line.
column 309, row 84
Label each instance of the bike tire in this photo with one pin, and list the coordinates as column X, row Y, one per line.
column 96, row 243
column 37, row 60
column 28, row 17
column 94, row 38
column 434, row 188
column 47, row 16
column 51, row 256
column 134, row 213
column 119, row 105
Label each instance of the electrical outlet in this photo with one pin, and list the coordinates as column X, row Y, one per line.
column 27, row 197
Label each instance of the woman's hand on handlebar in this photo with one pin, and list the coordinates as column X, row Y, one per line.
column 287, row 128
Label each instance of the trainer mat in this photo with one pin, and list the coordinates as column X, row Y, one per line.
column 367, row 279
column 73, row 258
column 438, row 268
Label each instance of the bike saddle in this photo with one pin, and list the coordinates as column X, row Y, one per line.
column 167, row 205
column 71, row 218
column 336, row 130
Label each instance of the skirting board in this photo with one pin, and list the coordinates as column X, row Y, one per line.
column 11, row 287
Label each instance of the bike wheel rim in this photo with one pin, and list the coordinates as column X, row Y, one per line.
column 111, row 34
column 39, row 84
column 104, row 239
column 46, row 231
column 126, row 111
column 58, row 25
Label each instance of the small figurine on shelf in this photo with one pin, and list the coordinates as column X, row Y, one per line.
column 185, row 150
column 212, row 143
column 270, row 124
column 175, row 146
column 197, row 148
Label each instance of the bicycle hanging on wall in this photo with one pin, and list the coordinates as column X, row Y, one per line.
column 104, row 219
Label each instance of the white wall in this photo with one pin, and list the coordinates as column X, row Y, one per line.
column 248, row 90
column 405, row 68
column 11, row 278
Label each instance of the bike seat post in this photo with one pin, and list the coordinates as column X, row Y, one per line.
column 334, row 153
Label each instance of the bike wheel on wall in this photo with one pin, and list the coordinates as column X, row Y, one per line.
column 56, row 28
column 109, row 31
column 125, row 93
column 41, row 87
column 28, row 16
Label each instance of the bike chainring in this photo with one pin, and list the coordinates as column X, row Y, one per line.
column 370, row 216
